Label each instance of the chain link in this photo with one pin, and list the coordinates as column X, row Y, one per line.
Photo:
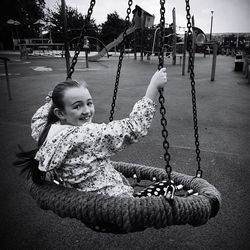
column 80, row 40
column 130, row 2
column 193, row 92
column 161, row 34
column 163, row 112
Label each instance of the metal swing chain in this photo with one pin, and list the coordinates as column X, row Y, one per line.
column 162, row 33
column 130, row 2
column 191, row 63
column 167, row 157
column 80, row 40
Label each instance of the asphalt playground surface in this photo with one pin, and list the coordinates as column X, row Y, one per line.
column 224, row 132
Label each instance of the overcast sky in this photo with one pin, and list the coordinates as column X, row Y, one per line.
column 229, row 15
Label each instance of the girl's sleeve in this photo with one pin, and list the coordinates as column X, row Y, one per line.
column 39, row 119
column 117, row 135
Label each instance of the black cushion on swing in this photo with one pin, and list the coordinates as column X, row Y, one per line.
column 129, row 214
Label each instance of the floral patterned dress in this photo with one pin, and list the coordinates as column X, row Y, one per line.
column 79, row 156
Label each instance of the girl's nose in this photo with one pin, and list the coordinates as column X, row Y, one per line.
column 85, row 110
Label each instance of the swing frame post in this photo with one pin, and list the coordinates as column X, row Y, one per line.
column 215, row 49
column 184, row 54
column 174, row 37
column 87, row 59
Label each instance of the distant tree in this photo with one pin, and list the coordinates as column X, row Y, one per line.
column 75, row 22
column 112, row 28
column 26, row 13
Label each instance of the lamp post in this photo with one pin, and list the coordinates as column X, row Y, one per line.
column 211, row 27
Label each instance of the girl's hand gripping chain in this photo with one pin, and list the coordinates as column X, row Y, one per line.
column 158, row 81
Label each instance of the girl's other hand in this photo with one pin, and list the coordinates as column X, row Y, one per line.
column 159, row 79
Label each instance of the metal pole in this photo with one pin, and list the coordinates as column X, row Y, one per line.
column 153, row 47
column 211, row 28
column 87, row 58
column 174, row 37
column 184, row 54
column 143, row 18
column 237, row 41
column 7, row 78
column 135, row 54
column 215, row 48
column 66, row 43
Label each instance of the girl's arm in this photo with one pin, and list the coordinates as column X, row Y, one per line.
column 116, row 135
column 119, row 134
column 39, row 119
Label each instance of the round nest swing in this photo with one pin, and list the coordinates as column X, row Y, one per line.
column 129, row 214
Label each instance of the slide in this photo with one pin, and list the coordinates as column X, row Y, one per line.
column 111, row 45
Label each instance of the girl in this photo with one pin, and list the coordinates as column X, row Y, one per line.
column 76, row 152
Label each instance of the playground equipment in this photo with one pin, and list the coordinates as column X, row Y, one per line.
column 199, row 39
column 129, row 214
column 141, row 19
column 86, row 47
column 151, row 46
column 111, row 45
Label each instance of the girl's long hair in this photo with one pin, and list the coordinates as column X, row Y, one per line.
column 26, row 159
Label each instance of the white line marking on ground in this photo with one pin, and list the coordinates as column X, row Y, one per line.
column 42, row 68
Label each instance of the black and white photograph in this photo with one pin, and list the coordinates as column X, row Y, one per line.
column 124, row 125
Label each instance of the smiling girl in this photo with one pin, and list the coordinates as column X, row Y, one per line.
column 75, row 152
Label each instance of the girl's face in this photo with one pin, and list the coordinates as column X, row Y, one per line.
column 78, row 106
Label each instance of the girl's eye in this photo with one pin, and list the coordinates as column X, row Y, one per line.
column 77, row 107
column 90, row 103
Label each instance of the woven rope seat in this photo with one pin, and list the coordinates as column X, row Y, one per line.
column 129, row 214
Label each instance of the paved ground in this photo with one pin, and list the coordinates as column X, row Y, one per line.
column 224, row 121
